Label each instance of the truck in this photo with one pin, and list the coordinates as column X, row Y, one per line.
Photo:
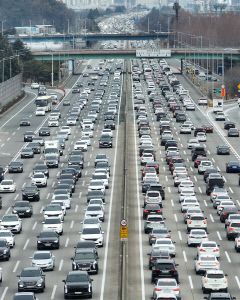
column 217, row 105
column 52, row 147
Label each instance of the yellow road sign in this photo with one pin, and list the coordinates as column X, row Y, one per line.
column 194, row 75
column 238, row 86
column 124, row 232
column 190, row 70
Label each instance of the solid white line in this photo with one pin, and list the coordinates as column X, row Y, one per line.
column 190, row 282
column 180, row 235
column 184, row 256
column 227, row 256
column 60, row 265
column 237, row 280
column 219, row 236
column 26, row 244
column 110, row 211
column 4, row 293
column 16, row 266
column 54, row 291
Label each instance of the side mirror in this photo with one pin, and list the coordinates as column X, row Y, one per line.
column 102, row 232
column 64, row 281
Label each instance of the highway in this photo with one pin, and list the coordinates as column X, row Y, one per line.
column 106, row 283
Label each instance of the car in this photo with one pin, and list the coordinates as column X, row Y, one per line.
column 25, row 122
column 204, row 165
column 193, row 143
column 53, row 123
column 77, row 283
column 96, row 185
column 233, row 132
column 7, row 235
column 201, row 136
column 11, row 222
column 196, row 221
column 185, row 184
column 44, row 260
column 28, row 136
column 38, row 140
column 223, row 149
column 15, row 167
column 30, row 193
column 53, row 210
column 166, row 285
column 233, row 230
column 93, row 234
column 190, row 211
column 27, row 152
column 219, row 199
column 35, row 85
column 186, row 192
column 53, row 223
column 231, row 218
column 80, row 145
column 214, row 180
column 159, row 232
column 185, row 128
column 35, row 146
column 232, row 167
column 31, row 278
column 188, row 202
column 48, row 240
column 151, row 209
column 105, row 141
column 23, row 208
column 214, row 280
column 66, row 102
column 151, row 220
column 7, row 186
column 217, row 191
column 167, row 244
column 229, row 124
column 94, row 210
column 220, row 296
column 220, row 116
column 208, row 248
column 196, row 236
column 164, row 268
column 208, row 128
column 40, row 111
column 52, row 160
column 85, row 259
column 226, row 211
column 24, row 296
column 39, row 179
column 206, row 262
column 109, row 124
column 5, row 252
column 153, row 197
column 95, row 194
column 44, row 131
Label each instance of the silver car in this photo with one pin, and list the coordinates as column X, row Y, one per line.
column 166, row 285
column 43, row 259
column 196, row 236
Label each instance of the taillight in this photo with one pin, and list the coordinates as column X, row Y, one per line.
column 199, row 264
column 214, row 195
column 146, row 211
column 224, row 214
column 189, row 222
column 202, row 250
column 225, row 281
column 205, row 281
column 152, row 236
column 151, row 258
column 204, row 222
column 168, row 236
column 176, row 289
column 216, row 250
column 158, row 289
column 190, row 236
column 173, row 270
column 159, row 211
column 230, row 228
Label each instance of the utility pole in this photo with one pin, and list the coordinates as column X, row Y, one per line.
column 176, row 7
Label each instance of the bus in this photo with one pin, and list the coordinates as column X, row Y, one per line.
column 44, row 101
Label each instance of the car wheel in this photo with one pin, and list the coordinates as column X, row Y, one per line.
column 65, row 297
column 204, row 290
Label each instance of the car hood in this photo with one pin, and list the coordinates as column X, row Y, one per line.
column 30, row 279
column 77, row 284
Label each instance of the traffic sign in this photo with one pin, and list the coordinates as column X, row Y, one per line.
column 123, row 222
column 218, row 91
column 194, row 75
column 238, row 86
column 223, row 92
column 124, row 233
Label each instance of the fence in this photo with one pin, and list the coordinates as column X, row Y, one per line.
column 10, row 90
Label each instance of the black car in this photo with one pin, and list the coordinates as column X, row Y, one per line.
column 4, row 250
column 181, row 117
column 105, row 141
column 157, row 254
column 209, row 171
column 226, row 211
column 66, row 187
column 213, row 180
column 31, row 279
column 66, row 102
column 151, row 209
column 170, row 143
column 97, row 194
column 198, row 129
column 87, row 245
column 52, row 160
column 30, row 193
column 220, row 296
column 109, row 124
column 103, row 165
column 109, row 116
column 25, row 122
column 75, row 160
column 77, row 284
column 41, row 168
column 35, row 146
column 69, row 182
column 44, row 131
column 38, row 140
column 27, row 153
column 232, row 132
column 223, row 149
column 48, row 240
column 78, row 169
column 85, row 260
column 24, row 296
column 196, row 151
column 15, row 167
column 22, row 208
column 229, row 124
column 28, row 136
column 164, row 268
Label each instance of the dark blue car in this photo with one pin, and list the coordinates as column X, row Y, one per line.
column 233, row 167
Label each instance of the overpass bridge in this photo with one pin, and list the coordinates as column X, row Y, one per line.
column 90, row 37
column 178, row 53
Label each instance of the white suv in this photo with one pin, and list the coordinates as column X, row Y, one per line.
column 214, row 280
column 196, row 221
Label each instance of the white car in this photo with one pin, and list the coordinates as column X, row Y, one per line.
column 196, row 236
column 86, row 139
column 193, row 143
column 66, row 129
column 95, row 210
column 87, row 123
column 196, row 221
column 53, row 123
column 218, row 191
column 209, row 248
column 223, row 204
column 204, row 165
column 87, row 132
column 92, row 234
column 61, row 203
column 190, row 211
column 178, row 170
column 103, row 177
column 80, row 145
column 54, row 224
column 185, row 184
column 146, row 157
column 189, row 202
column 153, row 197
column 8, row 236
column 65, row 198
column 166, row 285
column 186, row 192
column 96, row 185
column 180, row 177
column 185, row 128
column 151, row 176
column 97, row 201
column 145, row 137
column 7, row 186
column 11, row 222
column 214, row 281
column 107, row 131
column 165, row 243
column 71, row 121
column 206, row 262
column 53, row 210
column 190, row 124
column 201, row 136
column 40, row 111
column 220, row 116
column 44, row 260
column 91, row 222
column 54, row 116
column 39, row 179
column 35, row 85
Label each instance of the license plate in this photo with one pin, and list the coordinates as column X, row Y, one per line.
column 78, row 293
column 165, row 272
column 48, row 244
column 84, row 269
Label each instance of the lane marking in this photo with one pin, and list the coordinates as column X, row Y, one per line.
column 205, row 202
column 176, row 218
column 72, row 223
column 76, row 208
column 180, row 235
column 230, row 189
column 237, row 280
column 190, row 282
column 54, row 291
column 16, row 266
column 227, row 256
column 60, row 265
column 67, row 241
column 184, row 256
column 4, row 293
column 200, row 190
column 26, row 244
column 211, row 217
column 34, row 225
column 219, row 236
column 172, row 202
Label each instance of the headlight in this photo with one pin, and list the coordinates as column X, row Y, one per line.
column 55, row 241
column 20, row 284
column 28, row 210
column 5, row 251
column 14, row 211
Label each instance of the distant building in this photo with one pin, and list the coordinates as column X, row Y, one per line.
column 86, row 4
column 35, row 30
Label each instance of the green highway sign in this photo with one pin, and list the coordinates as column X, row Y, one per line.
column 218, row 91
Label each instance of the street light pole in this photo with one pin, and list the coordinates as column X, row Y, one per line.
column 3, row 71
column 52, row 71
column 2, row 25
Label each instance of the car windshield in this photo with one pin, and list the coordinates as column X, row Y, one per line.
column 3, row 243
column 11, row 218
column 42, row 255
column 91, row 221
column 7, row 182
column 207, row 258
column 23, row 297
column 152, row 194
column 30, row 273
column 77, row 278
column 165, row 266
column 52, row 221
column 93, row 208
column 215, row 276
column 86, row 255
column 163, row 242
column 91, row 231
column 5, row 234
column 40, row 175
column 21, row 204
column 48, row 234
column 166, row 283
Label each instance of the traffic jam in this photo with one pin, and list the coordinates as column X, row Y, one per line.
column 70, row 156
column 173, row 151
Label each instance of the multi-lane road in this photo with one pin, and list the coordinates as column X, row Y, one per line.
column 106, row 284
